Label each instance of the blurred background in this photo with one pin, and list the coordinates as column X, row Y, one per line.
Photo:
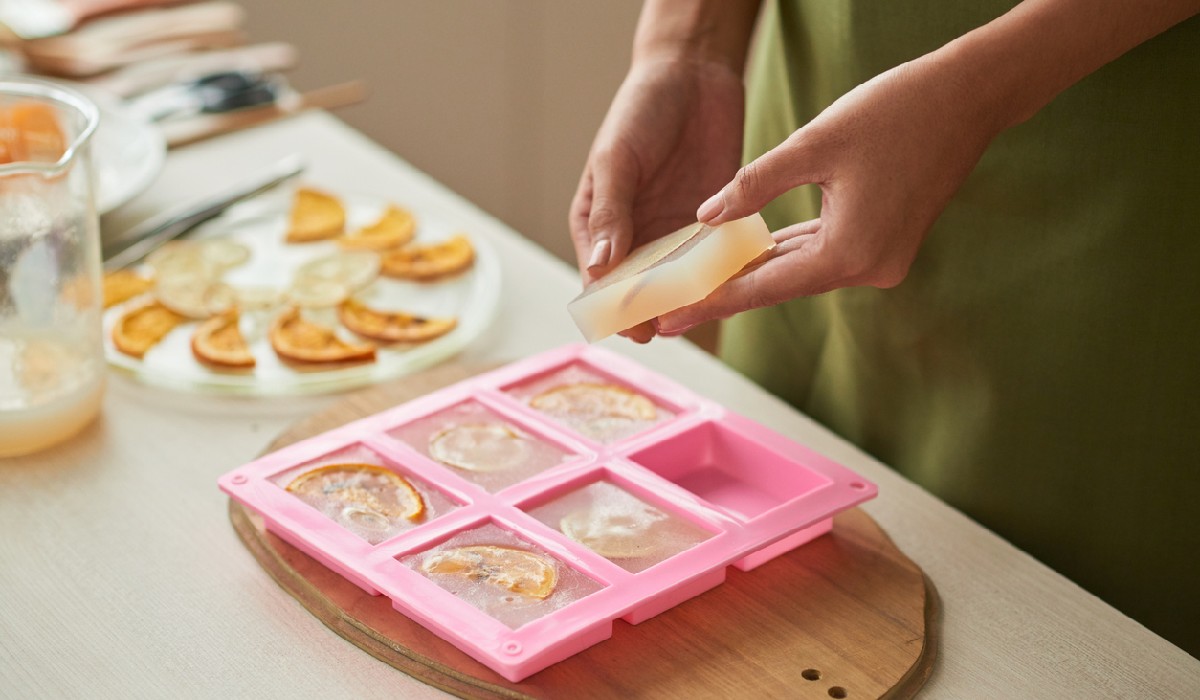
column 497, row 100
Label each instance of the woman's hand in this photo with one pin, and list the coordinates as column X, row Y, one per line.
column 672, row 136
column 887, row 156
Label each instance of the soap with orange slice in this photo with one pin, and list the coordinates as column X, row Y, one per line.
column 430, row 261
column 392, row 326
column 143, row 327
column 395, row 228
column 368, row 496
column 517, row 570
column 315, row 216
column 299, row 340
column 30, row 131
column 479, row 447
column 218, row 342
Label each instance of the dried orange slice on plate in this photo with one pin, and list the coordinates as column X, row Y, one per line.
column 299, row 340
column 120, row 286
column 392, row 326
column 315, row 216
column 479, row 447
column 371, row 496
column 517, row 570
column 143, row 327
column 395, row 228
column 352, row 269
column 29, row 131
column 219, row 342
column 430, row 261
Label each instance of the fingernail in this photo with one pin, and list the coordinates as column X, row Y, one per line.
column 665, row 329
column 600, row 254
column 712, row 207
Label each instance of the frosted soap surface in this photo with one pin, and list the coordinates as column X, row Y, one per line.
column 663, row 275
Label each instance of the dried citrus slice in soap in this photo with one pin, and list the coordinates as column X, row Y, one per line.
column 431, row 261
column 395, row 228
column 299, row 340
column 122, row 285
column 615, row 532
column 524, row 573
column 370, row 496
column 219, row 342
column 392, row 326
column 315, row 216
column 590, row 400
column 143, row 327
column 479, row 447
column 354, row 269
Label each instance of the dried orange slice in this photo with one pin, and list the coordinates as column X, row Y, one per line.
column 395, row 228
column 590, row 400
column 299, row 340
column 312, row 293
column 195, row 296
column 430, row 262
column 315, row 216
column 370, row 496
column 214, row 255
column 143, row 327
column 29, row 131
column 219, row 342
column 479, row 447
column 524, row 573
column 122, row 285
column 392, row 326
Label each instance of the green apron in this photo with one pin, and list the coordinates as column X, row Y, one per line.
column 1039, row 368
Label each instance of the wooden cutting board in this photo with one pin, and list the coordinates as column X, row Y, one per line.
column 845, row 616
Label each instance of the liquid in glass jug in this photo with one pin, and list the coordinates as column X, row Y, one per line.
column 51, row 348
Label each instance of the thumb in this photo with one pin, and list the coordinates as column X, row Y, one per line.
column 786, row 166
column 610, row 220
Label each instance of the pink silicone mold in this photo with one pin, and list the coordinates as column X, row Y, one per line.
column 634, row 509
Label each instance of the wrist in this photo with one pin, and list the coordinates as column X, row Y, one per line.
column 713, row 33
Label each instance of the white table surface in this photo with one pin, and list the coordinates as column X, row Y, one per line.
column 120, row 575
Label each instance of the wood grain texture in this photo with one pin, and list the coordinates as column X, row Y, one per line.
column 847, row 615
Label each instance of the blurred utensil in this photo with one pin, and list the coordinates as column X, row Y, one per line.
column 186, row 131
column 152, row 233
column 213, row 93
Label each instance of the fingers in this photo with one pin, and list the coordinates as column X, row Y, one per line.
column 641, row 334
column 788, row 165
column 797, row 267
column 610, row 218
column 577, row 221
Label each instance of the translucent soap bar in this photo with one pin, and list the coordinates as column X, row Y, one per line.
column 676, row 270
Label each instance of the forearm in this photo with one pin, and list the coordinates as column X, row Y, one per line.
column 1018, row 63
column 703, row 30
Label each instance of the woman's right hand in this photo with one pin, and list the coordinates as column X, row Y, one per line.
column 672, row 137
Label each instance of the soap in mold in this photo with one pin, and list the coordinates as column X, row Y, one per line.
column 676, row 270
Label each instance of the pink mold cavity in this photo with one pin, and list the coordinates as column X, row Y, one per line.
column 729, row 471
column 481, row 446
column 591, row 403
column 365, row 498
column 501, row 574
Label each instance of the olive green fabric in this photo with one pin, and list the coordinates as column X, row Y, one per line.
column 1039, row 368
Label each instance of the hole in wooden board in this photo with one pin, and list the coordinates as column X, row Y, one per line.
column 810, row 674
column 837, row 691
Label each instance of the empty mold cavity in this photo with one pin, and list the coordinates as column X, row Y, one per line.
column 591, row 403
column 502, row 574
column 619, row 526
column 729, row 471
column 365, row 493
column 480, row 445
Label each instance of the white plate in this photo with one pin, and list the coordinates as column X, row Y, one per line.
column 127, row 153
column 260, row 224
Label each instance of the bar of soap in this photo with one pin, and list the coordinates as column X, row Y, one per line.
column 663, row 275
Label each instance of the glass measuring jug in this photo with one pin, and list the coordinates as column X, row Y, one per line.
column 51, row 349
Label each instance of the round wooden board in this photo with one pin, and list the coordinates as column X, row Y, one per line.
column 847, row 615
